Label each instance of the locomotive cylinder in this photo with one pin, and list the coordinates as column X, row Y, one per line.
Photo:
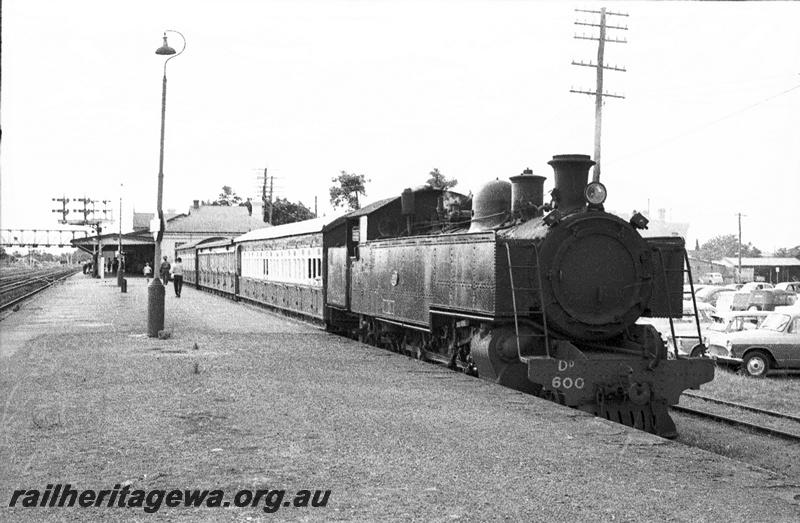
column 527, row 194
column 571, row 177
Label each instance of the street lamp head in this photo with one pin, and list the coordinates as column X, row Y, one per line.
column 165, row 49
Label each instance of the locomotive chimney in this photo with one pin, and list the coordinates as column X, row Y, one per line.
column 571, row 177
column 527, row 194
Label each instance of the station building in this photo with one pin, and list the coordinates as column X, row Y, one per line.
column 766, row 269
column 199, row 223
column 771, row 270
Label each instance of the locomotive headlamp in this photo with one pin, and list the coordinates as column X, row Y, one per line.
column 595, row 193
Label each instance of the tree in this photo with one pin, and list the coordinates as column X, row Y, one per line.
column 345, row 194
column 227, row 197
column 438, row 181
column 726, row 246
column 783, row 252
column 284, row 211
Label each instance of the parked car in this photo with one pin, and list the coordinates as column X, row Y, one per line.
column 762, row 300
column 724, row 302
column 773, row 345
column 685, row 328
column 791, row 286
column 712, row 278
column 755, row 286
column 724, row 323
column 734, row 286
column 711, row 294
column 687, row 290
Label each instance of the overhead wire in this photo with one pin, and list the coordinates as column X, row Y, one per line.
column 708, row 124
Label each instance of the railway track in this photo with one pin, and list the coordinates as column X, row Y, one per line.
column 771, row 423
column 19, row 286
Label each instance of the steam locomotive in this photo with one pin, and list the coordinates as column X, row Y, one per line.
column 540, row 297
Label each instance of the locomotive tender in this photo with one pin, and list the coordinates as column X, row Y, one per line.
column 542, row 303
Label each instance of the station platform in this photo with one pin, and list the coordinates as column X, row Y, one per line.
column 238, row 398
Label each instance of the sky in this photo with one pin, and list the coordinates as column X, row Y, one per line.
column 708, row 128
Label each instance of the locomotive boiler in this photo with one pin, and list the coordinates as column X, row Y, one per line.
column 538, row 297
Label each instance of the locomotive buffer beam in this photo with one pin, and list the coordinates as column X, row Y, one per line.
column 596, row 386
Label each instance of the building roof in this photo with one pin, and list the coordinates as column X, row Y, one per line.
column 113, row 239
column 233, row 219
column 230, row 219
column 141, row 220
column 762, row 262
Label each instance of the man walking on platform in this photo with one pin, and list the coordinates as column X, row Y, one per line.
column 163, row 271
column 177, row 276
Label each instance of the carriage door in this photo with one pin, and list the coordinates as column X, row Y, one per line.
column 338, row 278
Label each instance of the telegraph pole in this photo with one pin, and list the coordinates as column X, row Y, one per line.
column 267, row 198
column 271, row 186
column 264, row 196
column 739, row 275
column 598, row 93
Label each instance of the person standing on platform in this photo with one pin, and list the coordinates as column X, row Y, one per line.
column 147, row 272
column 163, row 271
column 177, row 276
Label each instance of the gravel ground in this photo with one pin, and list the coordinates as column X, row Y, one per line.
column 238, row 398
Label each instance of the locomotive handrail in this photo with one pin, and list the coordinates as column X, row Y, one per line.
column 541, row 301
column 669, row 306
column 514, row 299
column 694, row 302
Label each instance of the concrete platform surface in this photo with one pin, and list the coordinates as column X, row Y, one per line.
column 240, row 400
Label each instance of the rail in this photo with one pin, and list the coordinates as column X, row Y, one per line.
column 786, row 419
column 19, row 286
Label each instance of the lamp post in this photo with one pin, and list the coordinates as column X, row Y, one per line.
column 119, row 242
column 156, row 291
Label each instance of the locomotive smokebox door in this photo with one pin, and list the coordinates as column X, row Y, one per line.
column 598, row 276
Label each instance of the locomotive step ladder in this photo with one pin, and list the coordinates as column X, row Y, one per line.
column 532, row 274
column 686, row 275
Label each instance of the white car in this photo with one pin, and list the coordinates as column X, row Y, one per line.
column 791, row 286
column 715, row 338
column 755, row 286
column 685, row 328
column 712, row 278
